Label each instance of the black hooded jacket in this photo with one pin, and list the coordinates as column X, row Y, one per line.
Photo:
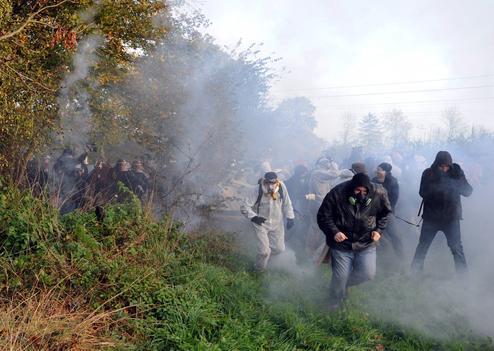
column 442, row 193
column 392, row 187
column 357, row 222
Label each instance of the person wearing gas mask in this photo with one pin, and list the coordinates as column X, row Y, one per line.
column 441, row 188
column 353, row 216
column 266, row 205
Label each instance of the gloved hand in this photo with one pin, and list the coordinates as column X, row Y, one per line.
column 258, row 220
column 290, row 222
column 456, row 171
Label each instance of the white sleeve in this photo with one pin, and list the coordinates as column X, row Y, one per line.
column 248, row 202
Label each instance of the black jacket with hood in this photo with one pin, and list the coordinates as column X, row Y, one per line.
column 442, row 191
column 392, row 187
column 356, row 221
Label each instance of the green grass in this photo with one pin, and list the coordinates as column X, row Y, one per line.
column 167, row 290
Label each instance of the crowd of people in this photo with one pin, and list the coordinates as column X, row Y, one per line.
column 326, row 213
column 74, row 183
column 341, row 215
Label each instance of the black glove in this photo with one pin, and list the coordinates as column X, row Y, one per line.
column 456, row 171
column 290, row 223
column 258, row 220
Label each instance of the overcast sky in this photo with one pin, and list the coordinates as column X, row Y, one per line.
column 441, row 52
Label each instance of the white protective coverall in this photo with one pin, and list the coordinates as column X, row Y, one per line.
column 271, row 234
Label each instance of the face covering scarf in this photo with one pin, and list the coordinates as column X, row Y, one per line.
column 272, row 189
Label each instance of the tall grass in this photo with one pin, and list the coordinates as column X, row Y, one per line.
column 132, row 283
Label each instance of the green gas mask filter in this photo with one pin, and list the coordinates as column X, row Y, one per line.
column 353, row 201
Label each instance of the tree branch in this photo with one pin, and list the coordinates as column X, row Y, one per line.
column 30, row 19
column 24, row 77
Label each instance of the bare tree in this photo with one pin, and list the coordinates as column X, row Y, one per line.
column 396, row 127
column 349, row 128
column 455, row 126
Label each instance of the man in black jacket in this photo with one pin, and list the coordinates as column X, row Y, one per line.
column 390, row 183
column 441, row 188
column 353, row 217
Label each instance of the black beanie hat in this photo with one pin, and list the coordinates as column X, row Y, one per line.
column 271, row 177
column 360, row 179
column 443, row 158
column 386, row 167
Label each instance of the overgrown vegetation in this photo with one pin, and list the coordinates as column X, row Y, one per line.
column 131, row 283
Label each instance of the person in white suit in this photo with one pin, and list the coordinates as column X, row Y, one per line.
column 267, row 205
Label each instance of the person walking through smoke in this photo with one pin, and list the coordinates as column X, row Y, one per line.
column 390, row 183
column 265, row 206
column 441, row 188
column 298, row 188
column 353, row 217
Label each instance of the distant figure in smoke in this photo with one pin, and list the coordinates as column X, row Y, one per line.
column 74, row 196
column 266, row 205
column 321, row 181
column 353, row 217
column 347, row 174
column 100, row 184
column 122, row 173
column 140, row 180
column 71, row 174
column 390, row 183
column 441, row 188
column 65, row 163
column 298, row 187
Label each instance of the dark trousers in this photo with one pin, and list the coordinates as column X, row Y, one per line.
column 392, row 234
column 453, row 236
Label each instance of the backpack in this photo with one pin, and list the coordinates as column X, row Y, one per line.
column 259, row 196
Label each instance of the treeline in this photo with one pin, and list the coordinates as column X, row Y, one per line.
column 130, row 79
column 393, row 130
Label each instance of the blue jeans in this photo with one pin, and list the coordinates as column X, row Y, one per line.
column 453, row 237
column 350, row 268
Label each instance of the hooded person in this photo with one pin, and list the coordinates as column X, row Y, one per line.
column 441, row 188
column 385, row 177
column 266, row 206
column 353, row 216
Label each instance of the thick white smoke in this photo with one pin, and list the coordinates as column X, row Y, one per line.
column 74, row 108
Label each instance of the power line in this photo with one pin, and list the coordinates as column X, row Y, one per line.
column 402, row 92
column 388, row 83
column 413, row 102
column 431, row 113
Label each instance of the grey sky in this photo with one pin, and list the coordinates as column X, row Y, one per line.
column 347, row 43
